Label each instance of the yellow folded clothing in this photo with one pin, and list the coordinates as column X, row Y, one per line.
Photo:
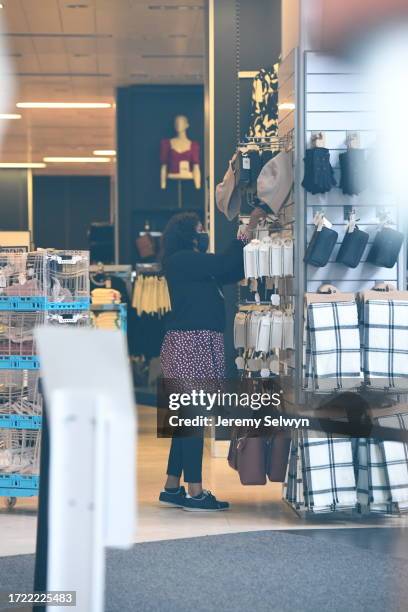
column 105, row 296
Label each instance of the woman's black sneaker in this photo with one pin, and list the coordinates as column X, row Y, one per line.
column 206, row 502
column 173, row 497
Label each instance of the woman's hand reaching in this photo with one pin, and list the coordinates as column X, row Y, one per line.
column 256, row 216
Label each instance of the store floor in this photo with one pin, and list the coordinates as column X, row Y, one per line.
column 253, row 508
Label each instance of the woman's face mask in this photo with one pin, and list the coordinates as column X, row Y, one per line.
column 203, row 241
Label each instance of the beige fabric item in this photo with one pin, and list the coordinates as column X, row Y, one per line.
column 151, row 295
column 227, row 194
column 275, row 181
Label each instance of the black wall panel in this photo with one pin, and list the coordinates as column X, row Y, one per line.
column 65, row 206
column 13, row 200
column 145, row 115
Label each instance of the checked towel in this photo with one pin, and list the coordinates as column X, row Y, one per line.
column 328, row 473
column 385, row 343
column 332, row 346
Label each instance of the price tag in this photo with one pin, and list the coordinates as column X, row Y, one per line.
column 246, row 163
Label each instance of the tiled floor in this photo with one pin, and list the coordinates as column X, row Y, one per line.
column 252, row 508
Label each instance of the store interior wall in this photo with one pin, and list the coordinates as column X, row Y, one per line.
column 145, row 115
column 65, row 206
column 290, row 26
column 14, row 200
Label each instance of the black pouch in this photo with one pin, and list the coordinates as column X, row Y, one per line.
column 242, row 169
column 386, row 247
column 352, row 248
column 321, row 247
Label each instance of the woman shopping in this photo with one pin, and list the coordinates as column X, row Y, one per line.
column 193, row 347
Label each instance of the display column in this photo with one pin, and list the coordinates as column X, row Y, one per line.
column 242, row 37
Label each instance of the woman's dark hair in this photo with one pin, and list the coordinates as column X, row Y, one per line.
column 179, row 234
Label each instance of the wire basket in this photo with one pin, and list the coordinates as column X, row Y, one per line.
column 68, row 278
column 20, row 393
column 79, row 318
column 19, row 451
column 22, row 276
column 17, row 332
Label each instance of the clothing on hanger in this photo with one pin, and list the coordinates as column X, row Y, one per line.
column 172, row 158
column 264, row 106
column 353, row 171
column 151, row 295
column 319, row 174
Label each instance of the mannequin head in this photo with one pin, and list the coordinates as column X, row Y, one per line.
column 181, row 124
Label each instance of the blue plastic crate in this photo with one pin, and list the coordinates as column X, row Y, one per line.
column 79, row 304
column 18, row 485
column 17, row 421
column 27, row 303
column 19, row 362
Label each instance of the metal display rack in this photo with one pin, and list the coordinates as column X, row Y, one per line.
column 307, row 105
column 44, row 287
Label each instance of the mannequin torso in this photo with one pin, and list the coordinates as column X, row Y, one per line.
column 180, row 156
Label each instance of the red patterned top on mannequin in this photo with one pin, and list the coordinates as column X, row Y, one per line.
column 172, row 158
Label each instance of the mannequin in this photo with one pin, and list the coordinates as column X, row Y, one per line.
column 180, row 156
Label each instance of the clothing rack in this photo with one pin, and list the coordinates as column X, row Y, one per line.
column 124, row 272
column 153, row 268
column 275, row 143
column 307, row 75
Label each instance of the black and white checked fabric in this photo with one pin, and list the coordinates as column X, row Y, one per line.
column 320, row 475
column 395, row 456
column 328, row 473
column 385, row 343
column 373, row 491
column 332, row 355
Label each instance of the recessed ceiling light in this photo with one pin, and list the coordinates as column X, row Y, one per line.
column 22, row 165
column 105, row 152
column 63, row 105
column 1, row 5
column 77, row 160
column 9, row 116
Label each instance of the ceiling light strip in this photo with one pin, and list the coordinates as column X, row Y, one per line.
column 9, row 116
column 62, row 105
column 77, row 160
column 22, row 165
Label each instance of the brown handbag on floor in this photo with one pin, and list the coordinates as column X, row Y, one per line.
column 277, row 456
column 247, row 456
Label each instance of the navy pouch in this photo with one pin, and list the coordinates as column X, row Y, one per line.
column 352, row 248
column 386, row 247
column 321, row 247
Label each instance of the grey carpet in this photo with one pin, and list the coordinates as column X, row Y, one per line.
column 263, row 571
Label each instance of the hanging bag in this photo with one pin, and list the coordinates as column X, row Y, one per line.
column 352, row 248
column 277, row 456
column 386, row 247
column 247, row 456
column 321, row 246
